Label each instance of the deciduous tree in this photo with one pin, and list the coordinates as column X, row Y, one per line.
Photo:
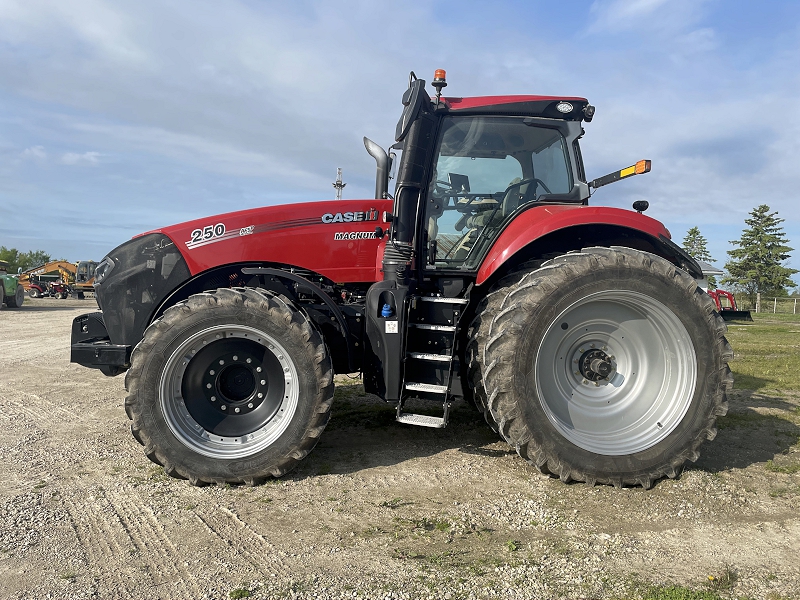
column 26, row 260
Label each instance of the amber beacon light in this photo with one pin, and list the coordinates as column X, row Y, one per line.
column 439, row 82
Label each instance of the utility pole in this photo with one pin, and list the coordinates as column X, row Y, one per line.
column 338, row 184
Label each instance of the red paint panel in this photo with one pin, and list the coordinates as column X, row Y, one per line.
column 539, row 221
column 480, row 101
column 291, row 234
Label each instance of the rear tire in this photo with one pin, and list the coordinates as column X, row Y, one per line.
column 17, row 299
column 33, row 293
column 656, row 340
column 212, row 351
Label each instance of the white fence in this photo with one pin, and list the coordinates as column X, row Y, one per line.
column 786, row 305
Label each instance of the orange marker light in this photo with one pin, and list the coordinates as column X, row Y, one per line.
column 642, row 166
column 439, row 75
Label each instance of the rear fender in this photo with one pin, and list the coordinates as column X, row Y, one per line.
column 545, row 230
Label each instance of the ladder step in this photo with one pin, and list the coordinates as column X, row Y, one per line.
column 421, row 420
column 434, row 357
column 432, row 327
column 441, row 299
column 427, row 387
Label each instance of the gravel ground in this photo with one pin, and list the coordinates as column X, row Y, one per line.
column 378, row 510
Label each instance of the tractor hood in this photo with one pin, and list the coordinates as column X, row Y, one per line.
column 335, row 239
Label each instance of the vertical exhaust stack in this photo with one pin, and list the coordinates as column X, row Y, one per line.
column 382, row 174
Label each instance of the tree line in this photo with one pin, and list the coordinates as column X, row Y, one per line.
column 756, row 265
column 24, row 260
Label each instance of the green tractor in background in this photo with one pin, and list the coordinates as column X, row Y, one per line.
column 11, row 293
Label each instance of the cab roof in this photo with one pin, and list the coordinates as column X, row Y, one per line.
column 553, row 107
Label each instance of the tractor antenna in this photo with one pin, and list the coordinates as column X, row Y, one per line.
column 338, row 184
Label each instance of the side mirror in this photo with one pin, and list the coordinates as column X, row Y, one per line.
column 414, row 99
column 642, row 166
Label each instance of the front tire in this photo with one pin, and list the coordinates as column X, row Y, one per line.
column 229, row 386
column 607, row 365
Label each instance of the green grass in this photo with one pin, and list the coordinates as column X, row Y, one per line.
column 679, row 593
column 790, row 469
column 767, row 352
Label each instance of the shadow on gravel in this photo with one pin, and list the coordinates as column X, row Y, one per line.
column 26, row 308
column 756, row 429
column 363, row 433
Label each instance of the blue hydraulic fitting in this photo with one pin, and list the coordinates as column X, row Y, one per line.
column 386, row 311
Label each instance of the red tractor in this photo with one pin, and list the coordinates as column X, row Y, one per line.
column 726, row 306
column 579, row 331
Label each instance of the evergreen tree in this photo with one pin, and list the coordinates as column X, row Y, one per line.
column 695, row 244
column 755, row 266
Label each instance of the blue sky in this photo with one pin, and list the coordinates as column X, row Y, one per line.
column 119, row 117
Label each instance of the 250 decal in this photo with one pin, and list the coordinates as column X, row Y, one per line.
column 209, row 232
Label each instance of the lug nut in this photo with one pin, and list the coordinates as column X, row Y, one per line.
column 263, row 382
column 249, row 360
column 223, row 407
column 249, row 405
column 212, row 372
column 258, row 369
column 213, row 398
column 235, row 357
column 236, row 409
column 222, row 362
column 208, row 385
column 260, row 395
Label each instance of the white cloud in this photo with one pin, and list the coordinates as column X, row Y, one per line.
column 87, row 158
column 665, row 16
column 34, row 152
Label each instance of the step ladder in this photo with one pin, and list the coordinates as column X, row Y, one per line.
column 430, row 343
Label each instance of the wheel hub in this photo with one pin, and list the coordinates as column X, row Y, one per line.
column 595, row 365
column 233, row 386
column 235, row 382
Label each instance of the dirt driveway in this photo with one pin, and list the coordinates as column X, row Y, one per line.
column 378, row 510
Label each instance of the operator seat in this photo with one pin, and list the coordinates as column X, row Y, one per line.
column 518, row 192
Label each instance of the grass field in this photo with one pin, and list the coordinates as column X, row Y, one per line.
column 766, row 353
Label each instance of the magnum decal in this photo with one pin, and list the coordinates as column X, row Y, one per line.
column 353, row 235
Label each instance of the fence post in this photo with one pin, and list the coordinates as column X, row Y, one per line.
column 794, row 312
column 758, row 301
column 775, row 307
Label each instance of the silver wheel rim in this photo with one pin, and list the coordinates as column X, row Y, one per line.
column 652, row 380
column 189, row 432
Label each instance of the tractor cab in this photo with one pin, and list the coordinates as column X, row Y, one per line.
column 469, row 167
column 485, row 170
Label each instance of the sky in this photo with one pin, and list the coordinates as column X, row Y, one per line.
column 121, row 117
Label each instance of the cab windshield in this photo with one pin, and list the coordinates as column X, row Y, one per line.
column 486, row 169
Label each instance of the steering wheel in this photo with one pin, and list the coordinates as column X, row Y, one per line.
column 440, row 189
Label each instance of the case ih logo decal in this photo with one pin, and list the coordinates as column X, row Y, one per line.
column 351, row 217
column 353, row 235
